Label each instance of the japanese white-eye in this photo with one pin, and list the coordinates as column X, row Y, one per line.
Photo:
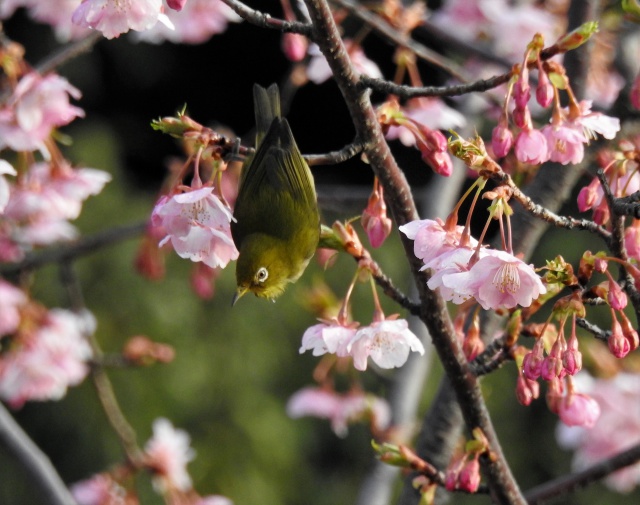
column 277, row 223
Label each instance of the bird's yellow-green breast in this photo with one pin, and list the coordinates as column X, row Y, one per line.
column 277, row 225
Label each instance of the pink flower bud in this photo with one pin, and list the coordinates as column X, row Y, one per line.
column 572, row 357
column 551, row 368
column 532, row 365
column 294, row 46
column 469, row 479
column 544, row 90
column 600, row 265
column 629, row 332
column 589, row 195
column 374, row 218
column 618, row 345
column 554, row 394
column 531, row 147
column 526, row 390
column 522, row 117
column 176, row 5
column 501, row 139
column 522, row 90
column 616, row 297
column 578, row 409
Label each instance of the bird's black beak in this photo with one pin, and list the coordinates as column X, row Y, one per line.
column 239, row 294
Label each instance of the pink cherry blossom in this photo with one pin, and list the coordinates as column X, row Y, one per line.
column 450, row 274
column 37, row 106
column 595, row 122
column 58, row 14
column 115, row 17
column 11, row 299
column 632, row 240
column 43, row 364
column 196, row 23
column 431, row 238
column 617, row 428
column 167, row 454
column 5, row 169
column 531, row 147
column 100, row 489
column 499, row 280
column 340, row 409
column 327, row 337
column 387, row 342
column 565, row 144
column 197, row 226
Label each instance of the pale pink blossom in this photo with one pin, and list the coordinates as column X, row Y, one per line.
column 340, row 409
column 578, row 409
column 58, row 14
column 531, row 147
column 617, row 428
column 115, row 17
column 196, row 23
column 37, row 106
column 595, row 122
column 318, row 69
column 167, row 454
column 100, row 489
column 431, row 239
column 5, row 169
column 387, row 342
column 565, row 144
column 450, row 274
column 11, row 299
column 632, row 240
column 327, row 337
column 498, row 280
column 44, row 363
column 197, row 224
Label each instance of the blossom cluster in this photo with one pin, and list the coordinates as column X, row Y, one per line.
column 340, row 408
column 495, row 279
column 166, row 455
column 45, row 351
column 387, row 342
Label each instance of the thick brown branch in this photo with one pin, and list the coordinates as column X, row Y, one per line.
column 433, row 310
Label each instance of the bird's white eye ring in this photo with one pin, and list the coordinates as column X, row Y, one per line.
column 262, row 274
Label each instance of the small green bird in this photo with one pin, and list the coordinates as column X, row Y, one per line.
column 277, row 224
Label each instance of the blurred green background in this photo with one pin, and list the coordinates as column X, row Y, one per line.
column 234, row 368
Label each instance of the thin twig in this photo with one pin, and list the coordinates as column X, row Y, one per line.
column 75, row 249
column 69, row 52
column 335, row 157
column 264, row 20
column 572, row 482
column 597, row 332
column 36, row 463
column 401, row 40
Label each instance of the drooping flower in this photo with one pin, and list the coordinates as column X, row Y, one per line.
column 578, row 409
column 431, row 238
column 328, row 337
column 115, row 17
column 41, row 365
column 341, row 409
column 375, row 221
column 167, row 454
column 196, row 23
column 565, row 144
column 37, row 106
column 197, row 226
column 531, row 147
column 616, row 430
column 387, row 342
column 498, row 280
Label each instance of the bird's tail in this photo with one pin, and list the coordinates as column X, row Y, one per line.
column 267, row 108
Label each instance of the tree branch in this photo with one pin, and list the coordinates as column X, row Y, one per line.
column 34, row 461
column 434, row 312
column 264, row 20
column 572, row 482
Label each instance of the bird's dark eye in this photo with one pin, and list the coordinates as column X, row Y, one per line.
column 262, row 274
